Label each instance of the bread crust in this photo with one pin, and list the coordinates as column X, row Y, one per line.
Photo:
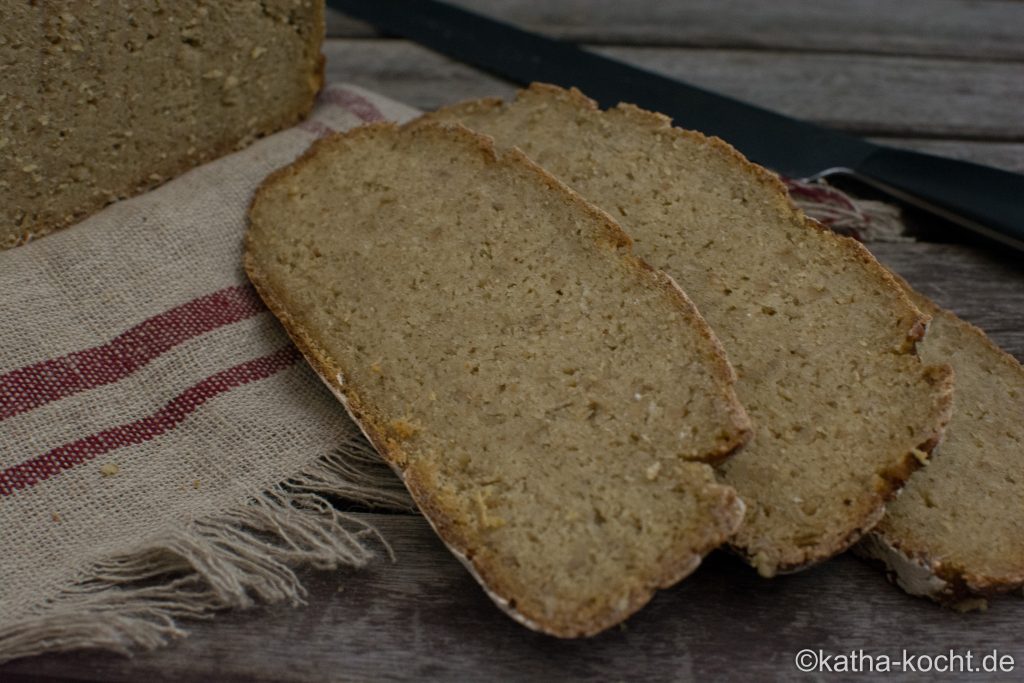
column 912, row 319
column 298, row 112
column 417, row 479
column 948, row 583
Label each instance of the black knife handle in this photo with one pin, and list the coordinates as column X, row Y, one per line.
column 983, row 199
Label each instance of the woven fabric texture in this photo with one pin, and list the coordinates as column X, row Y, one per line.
column 145, row 391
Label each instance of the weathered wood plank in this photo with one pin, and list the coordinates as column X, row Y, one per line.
column 864, row 94
column 407, row 72
column 1005, row 155
column 424, row 618
column 982, row 286
column 983, row 29
column 870, row 95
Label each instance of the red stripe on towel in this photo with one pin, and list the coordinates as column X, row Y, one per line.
column 43, row 467
column 35, row 385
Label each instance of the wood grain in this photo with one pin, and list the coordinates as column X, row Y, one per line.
column 869, row 95
column 424, row 618
column 1006, row 155
column 983, row 29
column 982, row 286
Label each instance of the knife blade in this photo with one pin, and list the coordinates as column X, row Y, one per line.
column 988, row 201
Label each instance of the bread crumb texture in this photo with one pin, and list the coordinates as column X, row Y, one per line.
column 962, row 516
column 545, row 395
column 103, row 100
column 822, row 338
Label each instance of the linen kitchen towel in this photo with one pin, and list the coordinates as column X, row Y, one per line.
column 164, row 450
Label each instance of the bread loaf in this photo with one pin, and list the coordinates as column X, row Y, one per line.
column 822, row 338
column 103, row 100
column 956, row 533
column 546, row 396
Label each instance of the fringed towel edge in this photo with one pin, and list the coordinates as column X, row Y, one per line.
column 236, row 559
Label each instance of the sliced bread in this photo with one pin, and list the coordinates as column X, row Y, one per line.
column 103, row 100
column 544, row 394
column 956, row 532
column 822, row 338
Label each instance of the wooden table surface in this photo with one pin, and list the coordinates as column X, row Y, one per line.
column 944, row 76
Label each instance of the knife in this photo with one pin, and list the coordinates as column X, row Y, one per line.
column 986, row 200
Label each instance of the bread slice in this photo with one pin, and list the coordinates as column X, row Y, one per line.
column 546, row 396
column 822, row 338
column 956, row 532
column 104, row 100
